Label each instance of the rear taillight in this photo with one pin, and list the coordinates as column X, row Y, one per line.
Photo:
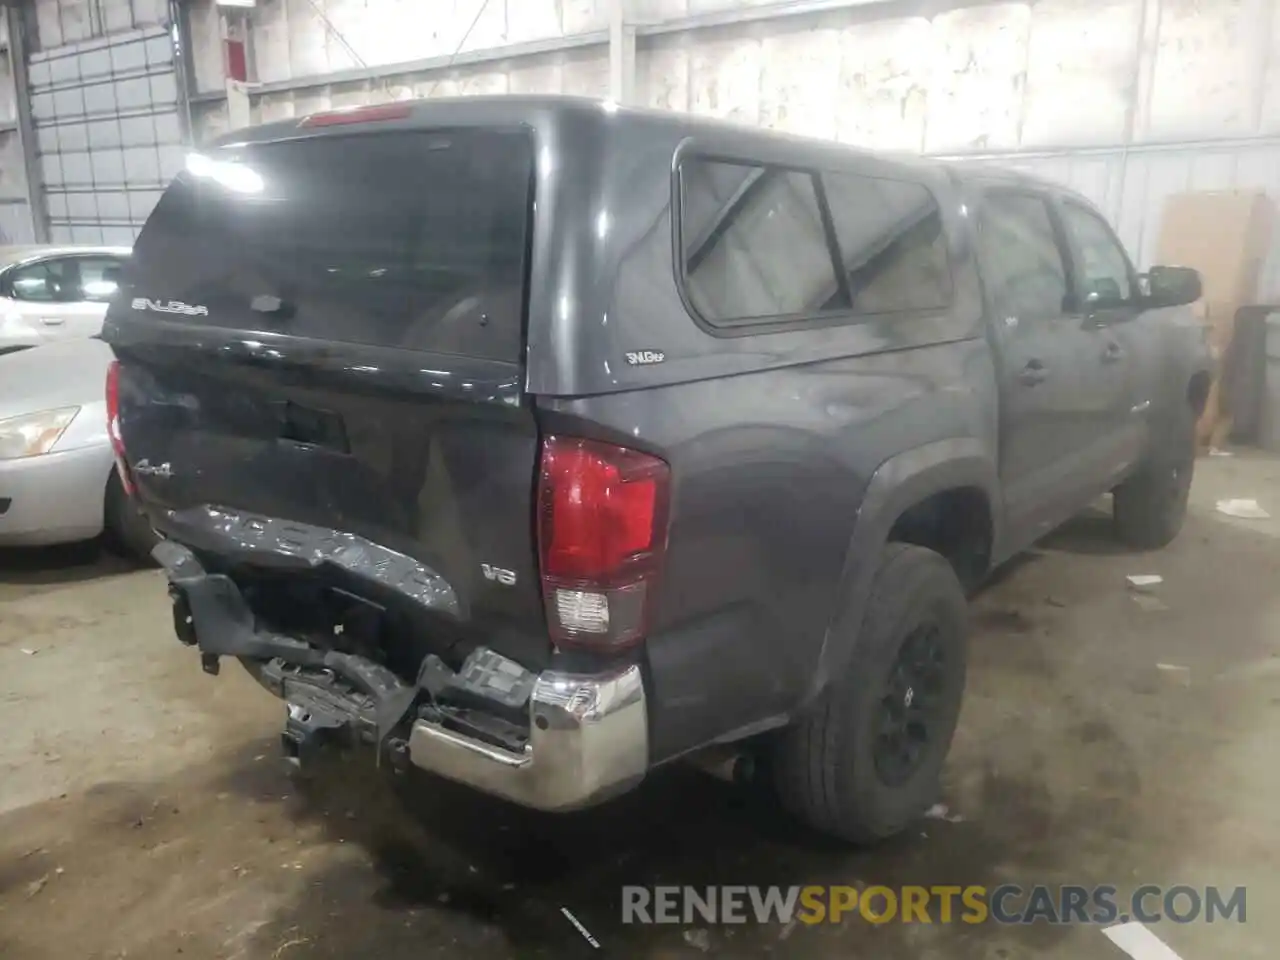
column 113, row 425
column 602, row 534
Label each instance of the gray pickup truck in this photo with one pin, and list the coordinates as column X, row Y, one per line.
column 537, row 443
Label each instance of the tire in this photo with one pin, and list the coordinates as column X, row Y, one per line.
column 127, row 531
column 1148, row 509
column 833, row 768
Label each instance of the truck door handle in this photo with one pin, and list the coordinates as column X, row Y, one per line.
column 1112, row 353
column 52, row 321
column 1033, row 373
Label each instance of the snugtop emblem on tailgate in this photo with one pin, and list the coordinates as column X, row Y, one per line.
column 173, row 306
column 642, row 358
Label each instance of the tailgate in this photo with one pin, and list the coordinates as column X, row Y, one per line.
column 321, row 348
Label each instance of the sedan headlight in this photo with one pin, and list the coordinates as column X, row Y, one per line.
column 34, row 433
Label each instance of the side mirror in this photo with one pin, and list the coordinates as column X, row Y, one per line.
column 1173, row 286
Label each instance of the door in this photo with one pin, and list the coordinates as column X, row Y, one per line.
column 1107, row 297
column 1045, row 384
column 57, row 298
column 35, row 298
column 95, row 279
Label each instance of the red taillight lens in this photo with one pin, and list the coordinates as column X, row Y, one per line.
column 113, row 425
column 602, row 528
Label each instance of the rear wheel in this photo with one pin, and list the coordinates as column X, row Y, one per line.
column 127, row 530
column 865, row 762
column 1149, row 507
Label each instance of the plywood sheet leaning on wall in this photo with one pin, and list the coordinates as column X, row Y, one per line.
column 1226, row 235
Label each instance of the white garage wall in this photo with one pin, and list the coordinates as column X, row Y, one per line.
column 1128, row 100
column 1125, row 100
column 305, row 55
column 291, row 39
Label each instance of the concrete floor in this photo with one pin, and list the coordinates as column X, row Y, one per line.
column 143, row 813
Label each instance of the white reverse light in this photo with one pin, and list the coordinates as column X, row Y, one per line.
column 584, row 611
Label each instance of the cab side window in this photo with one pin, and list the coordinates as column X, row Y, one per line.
column 1022, row 263
column 1105, row 277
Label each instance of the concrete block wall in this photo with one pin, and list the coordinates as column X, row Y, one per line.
column 982, row 78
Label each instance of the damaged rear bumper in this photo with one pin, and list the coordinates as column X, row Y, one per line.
column 588, row 741
column 587, row 734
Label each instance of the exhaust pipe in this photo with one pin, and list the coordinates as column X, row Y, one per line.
column 725, row 763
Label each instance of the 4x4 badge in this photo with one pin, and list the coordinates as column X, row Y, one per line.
column 640, row 358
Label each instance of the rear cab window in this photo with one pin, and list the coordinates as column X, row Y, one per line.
column 762, row 244
column 408, row 239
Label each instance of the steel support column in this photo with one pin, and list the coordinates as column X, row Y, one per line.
column 184, row 65
column 26, row 131
column 622, row 53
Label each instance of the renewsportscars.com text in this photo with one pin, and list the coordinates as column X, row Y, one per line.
column 1006, row 904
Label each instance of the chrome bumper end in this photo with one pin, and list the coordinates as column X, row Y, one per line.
column 588, row 741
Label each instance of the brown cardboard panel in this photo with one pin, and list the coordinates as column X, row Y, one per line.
column 1226, row 235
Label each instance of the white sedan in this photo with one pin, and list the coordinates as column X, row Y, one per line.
column 58, row 482
column 55, row 293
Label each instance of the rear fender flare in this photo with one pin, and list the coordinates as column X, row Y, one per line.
column 897, row 484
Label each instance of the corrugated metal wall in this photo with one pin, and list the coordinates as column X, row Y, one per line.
column 1131, row 186
column 107, row 131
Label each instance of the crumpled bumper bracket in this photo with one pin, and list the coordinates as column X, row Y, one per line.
column 588, row 733
column 211, row 614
